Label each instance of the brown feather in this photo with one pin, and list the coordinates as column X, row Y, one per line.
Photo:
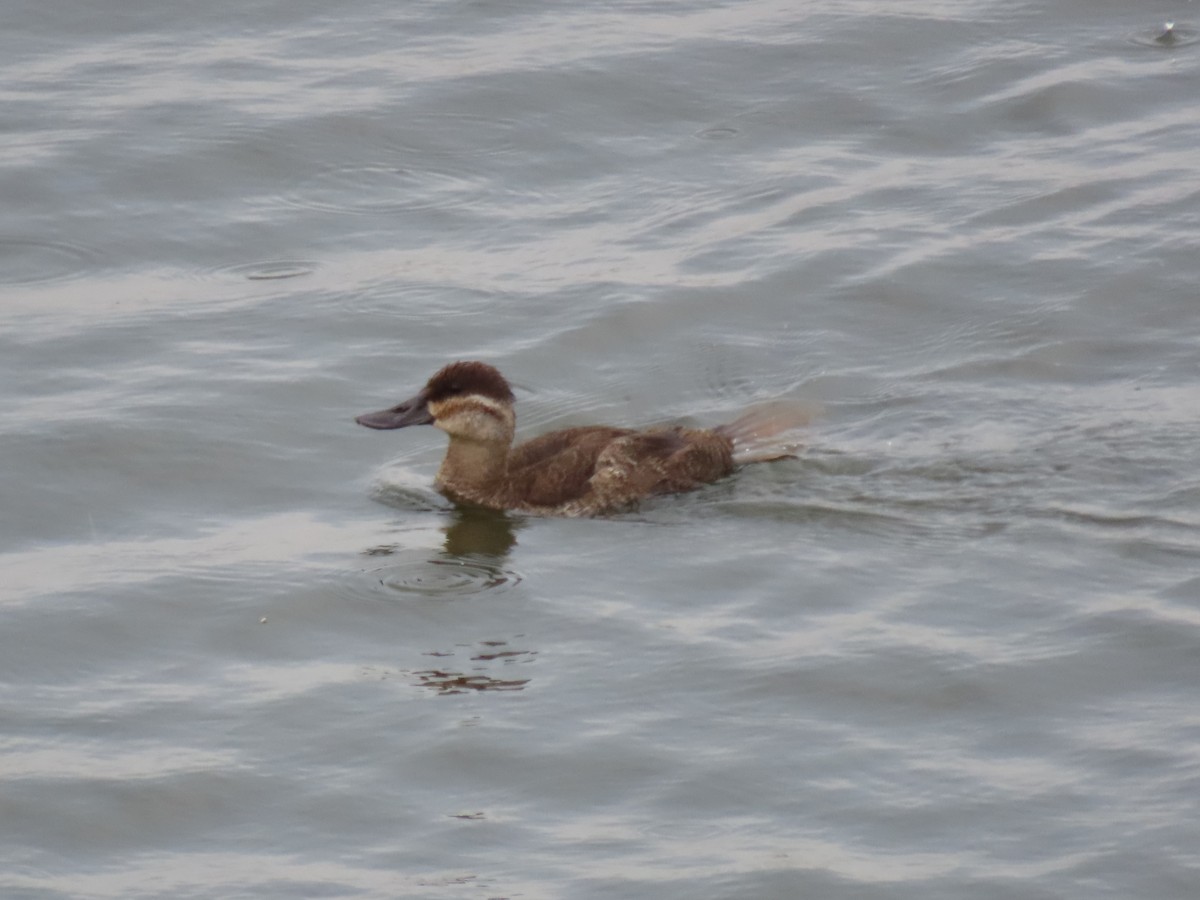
column 463, row 378
column 582, row 471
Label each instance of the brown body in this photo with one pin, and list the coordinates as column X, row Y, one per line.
column 583, row 471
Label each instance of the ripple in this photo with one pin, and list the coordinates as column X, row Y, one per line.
column 717, row 133
column 457, row 134
column 414, row 572
column 24, row 261
column 378, row 294
column 1169, row 34
column 381, row 189
column 409, row 490
column 268, row 270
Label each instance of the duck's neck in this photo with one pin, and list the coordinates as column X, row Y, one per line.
column 473, row 467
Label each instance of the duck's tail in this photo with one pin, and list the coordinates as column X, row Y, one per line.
column 767, row 432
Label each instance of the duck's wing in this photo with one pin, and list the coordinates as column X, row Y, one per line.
column 586, row 440
column 607, row 469
column 556, row 468
column 664, row 460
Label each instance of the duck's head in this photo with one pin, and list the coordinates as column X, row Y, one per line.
column 469, row 400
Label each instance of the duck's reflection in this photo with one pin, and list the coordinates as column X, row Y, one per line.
column 479, row 538
column 475, row 531
column 449, row 681
column 473, row 559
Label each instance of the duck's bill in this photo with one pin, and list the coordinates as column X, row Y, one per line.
column 411, row 412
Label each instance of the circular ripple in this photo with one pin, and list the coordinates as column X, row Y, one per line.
column 443, row 576
column 375, row 190
column 457, row 134
column 416, row 573
column 717, row 133
column 31, row 262
column 1169, row 34
column 269, row 270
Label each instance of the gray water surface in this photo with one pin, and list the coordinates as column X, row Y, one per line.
column 951, row 651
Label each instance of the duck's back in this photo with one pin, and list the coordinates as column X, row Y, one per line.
column 589, row 470
column 557, row 468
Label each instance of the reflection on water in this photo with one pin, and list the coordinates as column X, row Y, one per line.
column 448, row 680
column 474, row 531
column 472, row 560
column 484, row 669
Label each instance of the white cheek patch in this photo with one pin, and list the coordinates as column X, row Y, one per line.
column 472, row 410
column 487, row 405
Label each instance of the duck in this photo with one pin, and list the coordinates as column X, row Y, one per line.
column 589, row 470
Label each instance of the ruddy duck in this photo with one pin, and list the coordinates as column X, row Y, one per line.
column 583, row 471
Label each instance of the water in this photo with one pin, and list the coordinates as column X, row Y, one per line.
column 950, row 651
